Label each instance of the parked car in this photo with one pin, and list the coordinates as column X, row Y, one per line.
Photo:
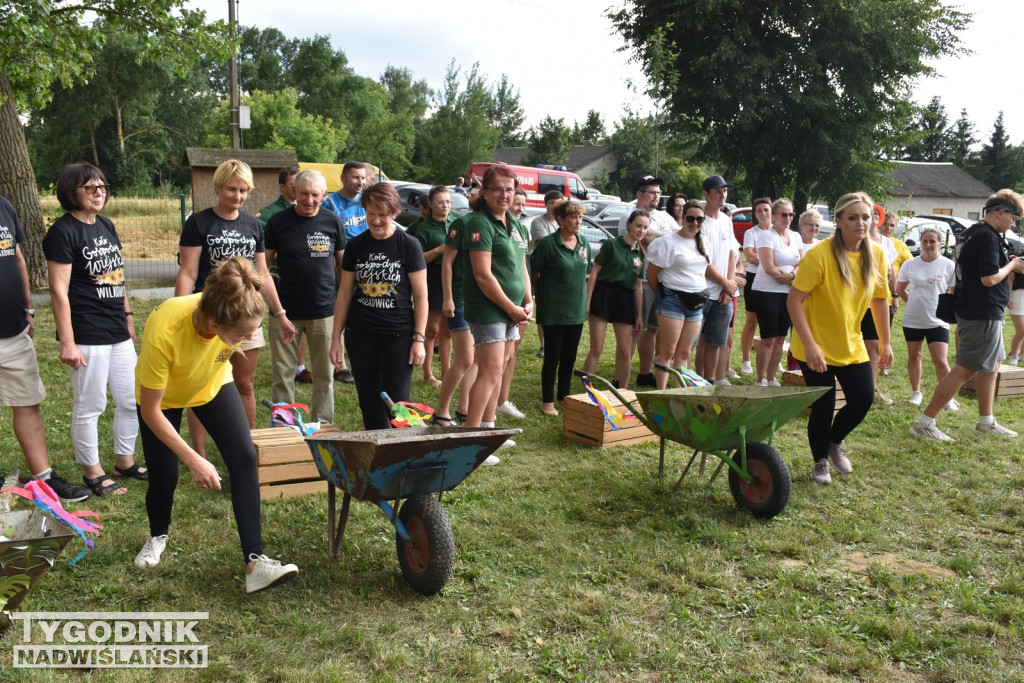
column 410, row 194
column 742, row 220
column 909, row 231
column 828, row 226
column 594, row 233
column 955, row 222
column 607, row 214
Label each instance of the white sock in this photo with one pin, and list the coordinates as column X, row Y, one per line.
column 44, row 475
column 299, row 368
column 986, row 419
column 487, row 425
column 925, row 421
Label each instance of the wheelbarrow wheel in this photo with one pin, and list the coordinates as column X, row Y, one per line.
column 428, row 557
column 767, row 494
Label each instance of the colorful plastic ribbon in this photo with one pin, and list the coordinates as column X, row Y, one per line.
column 612, row 414
column 40, row 494
column 407, row 413
column 289, row 415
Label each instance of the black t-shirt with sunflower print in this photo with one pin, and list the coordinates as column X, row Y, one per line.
column 382, row 300
column 96, row 287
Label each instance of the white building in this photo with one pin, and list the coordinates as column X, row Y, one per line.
column 936, row 188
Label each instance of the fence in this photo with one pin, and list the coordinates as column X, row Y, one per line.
column 149, row 230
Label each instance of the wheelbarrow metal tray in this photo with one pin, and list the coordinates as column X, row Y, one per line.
column 35, row 541
column 382, row 464
column 709, row 418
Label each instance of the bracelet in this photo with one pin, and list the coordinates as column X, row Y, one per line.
column 422, row 337
column 128, row 313
column 419, row 341
column 278, row 314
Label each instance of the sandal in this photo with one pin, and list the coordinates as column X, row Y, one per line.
column 100, row 489
column 461, row 417
column 133, row 472
column 439, row 421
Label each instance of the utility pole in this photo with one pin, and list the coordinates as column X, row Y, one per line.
column 236, row 135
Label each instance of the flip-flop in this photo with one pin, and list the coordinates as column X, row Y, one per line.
column 100, row 489
column 132, row 472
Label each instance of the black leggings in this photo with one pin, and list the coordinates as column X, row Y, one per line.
column 561, row 343
column 225, row 420
column 858, row 387
column 380, row 362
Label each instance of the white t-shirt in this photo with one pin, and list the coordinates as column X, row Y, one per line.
column 661, row 223
column 682, row 266
column 927, row 281
column 890, row 250
column 786, row 256
column 748, row 243
column 718, row 243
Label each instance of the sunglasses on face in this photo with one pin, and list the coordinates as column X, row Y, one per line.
column 786, row 215
column 699, row 220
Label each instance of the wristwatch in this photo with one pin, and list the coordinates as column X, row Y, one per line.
column 30, row 311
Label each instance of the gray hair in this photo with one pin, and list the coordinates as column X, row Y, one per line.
column 938, row 234
column 808, row 214
column 313, row 177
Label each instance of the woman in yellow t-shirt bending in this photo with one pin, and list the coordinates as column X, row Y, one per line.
column 838, row 279
column 184, row 363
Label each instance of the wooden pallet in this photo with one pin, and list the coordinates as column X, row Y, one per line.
column 795, row 378
column 286, row 467
column 583, row 422
column 1009, row 383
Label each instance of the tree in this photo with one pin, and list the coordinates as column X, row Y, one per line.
column 962, row 139
column 507, row 114
column 999, row 164
column 461, row 130
column 794, row 94
column 42, row 42
column 277, row 123
column 933, row 137
column 548, row 142
column 634, row 142
column 592, row 132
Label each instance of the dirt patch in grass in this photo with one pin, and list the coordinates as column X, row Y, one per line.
column 790, row 563
column 859, row 562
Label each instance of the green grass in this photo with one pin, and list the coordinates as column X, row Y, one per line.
column 574, row 564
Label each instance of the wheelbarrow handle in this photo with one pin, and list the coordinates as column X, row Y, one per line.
column 268, row 403
column 680, row 377
column 637, row 412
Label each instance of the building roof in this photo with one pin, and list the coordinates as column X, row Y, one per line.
column 206, row 157
column 579, row 155
column 935, row 179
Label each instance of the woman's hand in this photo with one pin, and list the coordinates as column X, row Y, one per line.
column 71, row 355
column 417, row 353
column 131, row 329
column 816, row 359
column 204, row 474
column 885, row 357
column 448, row 308
column 337, row 354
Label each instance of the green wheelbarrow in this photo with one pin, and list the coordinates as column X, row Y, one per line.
column 731, row 423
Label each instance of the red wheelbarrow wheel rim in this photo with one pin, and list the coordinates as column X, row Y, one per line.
column 417, row 550
column 759, row 489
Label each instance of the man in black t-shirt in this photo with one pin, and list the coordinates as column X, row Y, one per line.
column 982, row 292
column 20, row 385
column 307, row 243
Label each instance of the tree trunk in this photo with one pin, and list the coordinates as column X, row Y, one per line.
column 18, row 184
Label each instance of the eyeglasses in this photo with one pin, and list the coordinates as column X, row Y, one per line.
column 95, row 189
column 699, row 220
column 656, row 193
column 507, row 191
column 786, row 215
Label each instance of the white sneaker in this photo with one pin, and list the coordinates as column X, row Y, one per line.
column 266, row 573
column 509, row 443
column 774, row 383
column 915, row 398
column 882, row 398
column 731, row 374
column 722, row 383
column 929, row 432
column 1012, row 360
column 820, row 475
column 491, row 461
column 761, row 383
column 149, row 556
column 995, row 428
column 508, row 409
column 953, row 405
column 745, row 368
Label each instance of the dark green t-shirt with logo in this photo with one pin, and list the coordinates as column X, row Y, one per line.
column 620, row 263
column 482, row 231
column 561, row 280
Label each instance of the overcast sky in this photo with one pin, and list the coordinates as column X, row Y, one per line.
column 563, row 56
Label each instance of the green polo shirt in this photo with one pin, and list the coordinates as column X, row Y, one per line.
column 482, row 231
column 561, row 280
column 454, row 240
column 267, row 211
column 620, row 263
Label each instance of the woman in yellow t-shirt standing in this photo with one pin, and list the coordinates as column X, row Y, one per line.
column 184, row 363
column 839, row 279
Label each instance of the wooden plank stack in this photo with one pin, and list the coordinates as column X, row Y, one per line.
column 583, row 422
column 286, row 467
column 1009, row 383
column 795, row 378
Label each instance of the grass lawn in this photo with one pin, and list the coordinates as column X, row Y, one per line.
column 572, row 563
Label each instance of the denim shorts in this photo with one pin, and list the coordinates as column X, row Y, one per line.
column 492, row 333
column 457, row 323
column 671, row 307
column 716, row 323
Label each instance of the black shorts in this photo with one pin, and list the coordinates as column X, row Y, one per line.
column 749, row 296
column 772, row 314
column 935, row 334
column 867, row 327
column 435, row 292
column 613, row 303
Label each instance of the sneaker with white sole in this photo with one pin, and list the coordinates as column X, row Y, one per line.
column 761, row 383
column 731, row 374
column 930, row 432
column 995, row 428
column 820, row 474
column 490, row 461
column 65, row 490
column 915, row 398
column 266, row 573
column 882, row 398
column 508, row 409
column 149, row 556
column 774, row 383
column 1012, row 360
column 745, row 368
column 953, row 405
column 722, row 383
column 509, row 443
column 837, row 457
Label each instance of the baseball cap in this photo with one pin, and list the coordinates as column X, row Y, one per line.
column 714, row 182
column 646, row 181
